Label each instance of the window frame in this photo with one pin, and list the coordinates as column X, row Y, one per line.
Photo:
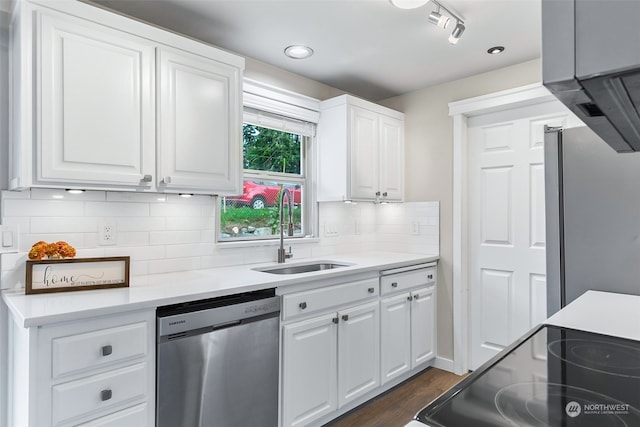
column 289, row 105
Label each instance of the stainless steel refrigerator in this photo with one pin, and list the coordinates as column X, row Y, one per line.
column 592, row 217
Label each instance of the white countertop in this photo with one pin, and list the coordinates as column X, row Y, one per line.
column 172, row 288
column 603, row 313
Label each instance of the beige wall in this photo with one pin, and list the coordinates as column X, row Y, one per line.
column 429, row 162
column 278, row 77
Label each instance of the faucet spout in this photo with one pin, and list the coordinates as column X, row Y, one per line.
column 282, row 255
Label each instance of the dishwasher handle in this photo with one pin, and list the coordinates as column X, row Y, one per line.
column 218, row 317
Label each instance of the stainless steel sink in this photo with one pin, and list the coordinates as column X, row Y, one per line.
column 301, row 268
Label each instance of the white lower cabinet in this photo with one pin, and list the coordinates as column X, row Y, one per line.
column 407, row 331
column 331, row 359
column 92, row 372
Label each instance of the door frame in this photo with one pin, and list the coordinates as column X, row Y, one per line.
column 460, row 111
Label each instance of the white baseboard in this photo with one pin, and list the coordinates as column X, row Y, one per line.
column 444, row 364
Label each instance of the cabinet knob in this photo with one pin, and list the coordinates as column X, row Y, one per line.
column 167, row 180
column 430, row 276
column 106, row 395
column 302, row 305
column 371, row 290
column 409, row 298
column 385, row 194
column 107, row 350
column 416, row 296
column 394, row 284
column 335, row 320
column 147, row 178
column 377, row 193
column 345, row 317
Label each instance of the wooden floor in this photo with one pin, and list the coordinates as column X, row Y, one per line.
column 396, row 407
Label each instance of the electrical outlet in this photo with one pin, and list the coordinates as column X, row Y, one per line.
column 107, row 233
column 9, row 239
column 415, row 228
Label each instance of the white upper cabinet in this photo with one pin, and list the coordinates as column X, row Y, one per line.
column 105, row 102
column 360, row 151
column 96, row 90
column 199, row 128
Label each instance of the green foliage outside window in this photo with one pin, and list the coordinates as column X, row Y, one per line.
column 270, row 150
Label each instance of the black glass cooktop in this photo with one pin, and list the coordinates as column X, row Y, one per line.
column 552, row 377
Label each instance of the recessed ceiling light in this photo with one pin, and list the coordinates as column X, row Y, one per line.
column 495, row 50
column 298, row 52
column 408, row 4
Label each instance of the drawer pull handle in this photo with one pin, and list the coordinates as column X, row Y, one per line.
column 345, row 317
column 303, row 305
column 394, row 285
column 107, row 350
column 106, row 395
column 147, row 178
column 371, row 290
column 430, row 276
column 335, row 320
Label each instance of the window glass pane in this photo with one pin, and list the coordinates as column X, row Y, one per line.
column 256, row 213
column 271, row 150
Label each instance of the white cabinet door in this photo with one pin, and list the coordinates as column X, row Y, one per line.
column 422, row 326
column 358, row 351
column 395, row 335
column 97, row 111
column 391, row 158
column 364, row 153
column 200, row 126
column 309, row 370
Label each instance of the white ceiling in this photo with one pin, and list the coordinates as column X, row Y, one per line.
column 365, row 47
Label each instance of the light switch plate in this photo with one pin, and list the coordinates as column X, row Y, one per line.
column 415, row 228
column 9, row 239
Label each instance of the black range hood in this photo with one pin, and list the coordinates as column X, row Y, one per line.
column 591, row 62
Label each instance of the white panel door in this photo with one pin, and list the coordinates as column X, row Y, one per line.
column 309, row 370
column 395, row 332
column 391, row 158
column 97, row 110
column 507, row 287
column 200, row 124
column 358, row 351
column 423, row 318
column 363, row 154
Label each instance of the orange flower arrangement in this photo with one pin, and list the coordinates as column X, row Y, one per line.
column 60, row 249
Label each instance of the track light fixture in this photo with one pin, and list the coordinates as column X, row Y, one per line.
column 436, row 17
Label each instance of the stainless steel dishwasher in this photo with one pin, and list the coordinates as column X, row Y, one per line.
column 217, row 362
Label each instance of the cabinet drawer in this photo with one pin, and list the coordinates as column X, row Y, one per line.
column 407, row 280
column 96, row 348
column 131, row 417
column 98, row 392
column 325, row 298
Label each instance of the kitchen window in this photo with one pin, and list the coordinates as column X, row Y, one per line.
column 276, row 156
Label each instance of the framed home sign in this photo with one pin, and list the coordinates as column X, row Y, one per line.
column 78, row 274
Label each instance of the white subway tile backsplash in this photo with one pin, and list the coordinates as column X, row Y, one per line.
column 136, row 197
column 173, row 237
column 166, row 233
column 42, row 208
column 44, row 225
column 116, row 209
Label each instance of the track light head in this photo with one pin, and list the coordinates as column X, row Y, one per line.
column 437, row 19
column 457, row 33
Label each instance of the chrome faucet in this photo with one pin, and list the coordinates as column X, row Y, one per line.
column 282, row 255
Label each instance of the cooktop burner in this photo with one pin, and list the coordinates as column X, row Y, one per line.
column 552, row 377
column 606, row 357
column 539, row 404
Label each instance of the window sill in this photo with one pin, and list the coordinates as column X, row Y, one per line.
column 262, row 243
